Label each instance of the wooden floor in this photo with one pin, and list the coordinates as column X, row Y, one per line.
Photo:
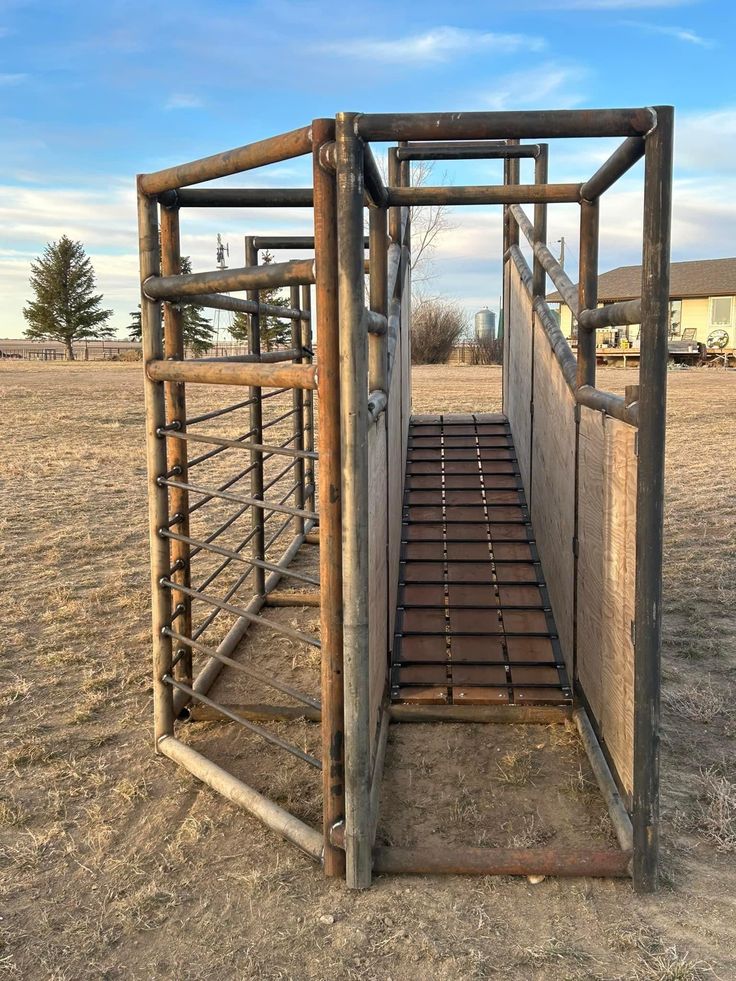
column 474, row 624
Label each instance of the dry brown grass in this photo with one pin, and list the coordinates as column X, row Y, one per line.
column 116, row 865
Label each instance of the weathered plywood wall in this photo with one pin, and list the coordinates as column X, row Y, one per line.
column 607, row 581
column 518, row 342
column 553, row 485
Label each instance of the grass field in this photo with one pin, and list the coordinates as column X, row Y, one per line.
column 117, row 865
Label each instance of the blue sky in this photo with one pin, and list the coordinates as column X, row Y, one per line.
column 92, row 93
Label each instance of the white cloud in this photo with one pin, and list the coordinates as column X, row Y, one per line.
column 706, row 141
column 436, row 45
column 182, row 101
column 551, row 84
column 678, row 33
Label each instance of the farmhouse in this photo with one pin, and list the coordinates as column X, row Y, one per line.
column 702, row 301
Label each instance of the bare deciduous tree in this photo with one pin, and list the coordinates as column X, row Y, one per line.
column 436, row 326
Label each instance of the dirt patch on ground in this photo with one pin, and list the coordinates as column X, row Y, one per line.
column 118, row 865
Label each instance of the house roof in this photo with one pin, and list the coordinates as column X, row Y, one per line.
column 699, row 277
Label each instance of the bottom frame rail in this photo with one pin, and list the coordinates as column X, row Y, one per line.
column 502, row 861
column 256, row 712
column 273, row 816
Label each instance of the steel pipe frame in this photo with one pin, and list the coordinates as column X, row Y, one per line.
column 378, row 298
column 256, row 422
column 354, row 428
column 298, row 409
column 216, row 301
column 239, row 444
column 308, row 418
column 176, row 452
column 292, row 273
column 288, row 242
column 273, row 150
column 273, row 816
column 155, row 401
column 330, row 505
column 469, row 150
column 261, row 375
column 622, row 159
column 650, row 496
column 254, row 502
column 535, row 124
column 489, row 194
column 612, row 315
column 238, row 197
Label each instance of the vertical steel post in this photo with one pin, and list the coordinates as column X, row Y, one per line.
column 354, row 418
column 256, row 425
column 541, row 176
column 297, row 401
column 511, row 172
column 588, row 287
column 330, row 495
column 158, row 510
column 308, row 399
column 394, row 213
column 378, row 343
column 655, row 321
column 176, row 411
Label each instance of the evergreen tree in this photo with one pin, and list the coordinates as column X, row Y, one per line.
column 66, row 307
column 274, row 333
column 197, row 330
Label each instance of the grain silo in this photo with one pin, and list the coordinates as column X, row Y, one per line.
column 485, row 325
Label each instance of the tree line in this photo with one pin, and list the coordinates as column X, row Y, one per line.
column 67, row 308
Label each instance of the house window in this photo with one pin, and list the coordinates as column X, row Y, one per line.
column 720, row 311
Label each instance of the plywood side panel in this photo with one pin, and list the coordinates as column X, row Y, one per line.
column 519, row 372
column 377, row 568
column 607, row 581
column 553, row 485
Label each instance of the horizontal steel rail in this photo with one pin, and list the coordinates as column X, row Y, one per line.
column 269, row 813
column 238, row 444
column 238, row 197
column 278, row 356
column 611, row 315
column 534, row 124
column 273, row 150
column 275, row 274
column 217, row 301
column 467, row 150
column 554, row 270
column 448, row 194
column 265, row 375
column 239, row 499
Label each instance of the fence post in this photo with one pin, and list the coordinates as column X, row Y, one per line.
column 330, row 496
column 297, row 401
column 308, row 415
column 163, row 703
column 588, row 287
column 353, row 393
column 655, row 309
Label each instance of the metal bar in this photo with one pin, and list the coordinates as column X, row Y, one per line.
column 176, row 453
column 443, row 860
column 266, row 375
column 622, row 159
column 378, row 298
column 616, row 809
column 650, row 496
column 289, row 598
column 203, row 417
column 375, row 189
column 256, row 422
column 219, row 550
column 270, row 814
column 209, row 674
column 587, row 288
column 275, row 274
column 308, row 420
column 330, row 498
column 555, row 271
column 240, row 197
column 490, row 194
column 257, row 502
column 611, row 315
column 255, row 712
column 469, row 150
column 298, row 412
column 148, row 233
column 609, row 402
column 217, row 301
column 279, row 628
column 288, row 242
column 265, row 734
column 534, row 124
column 276, row 148
column 238, row 444
column 541, row 173
column 353, row 373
